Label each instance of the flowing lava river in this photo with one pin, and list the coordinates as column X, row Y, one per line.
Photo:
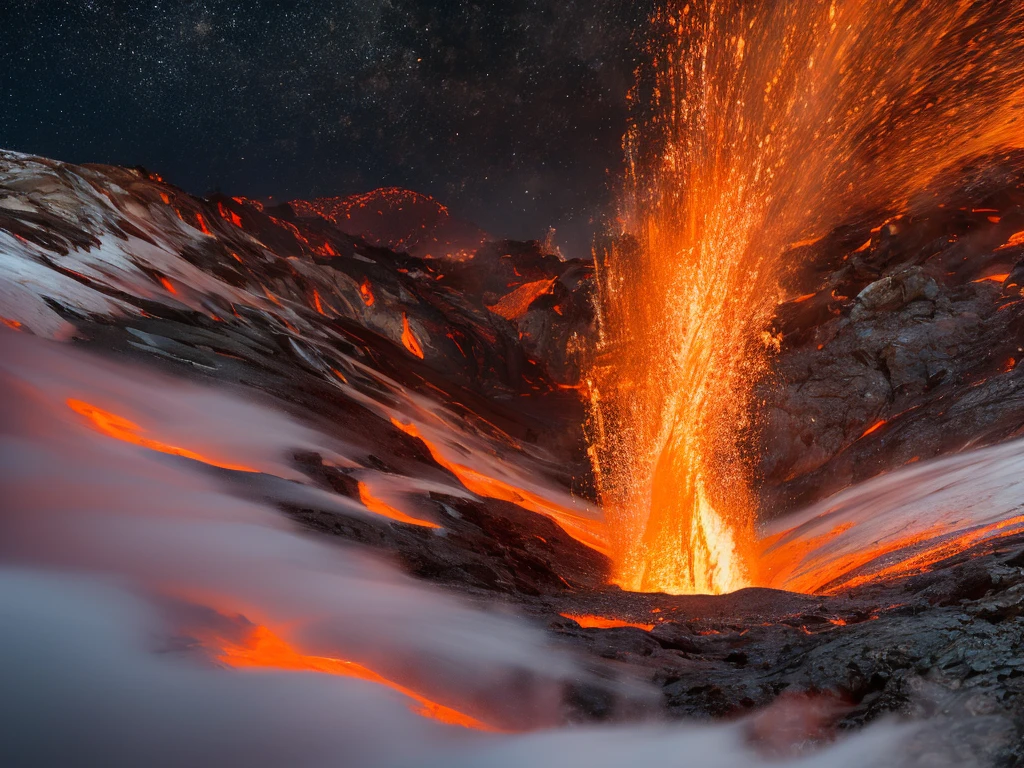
column 279, row 491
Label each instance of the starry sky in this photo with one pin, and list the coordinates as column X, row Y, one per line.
column 509, row 111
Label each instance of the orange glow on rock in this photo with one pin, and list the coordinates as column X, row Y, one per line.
column 600, row 622
column 798, row 563
column 263, row 649
column 923, row 558
column 229, row 215
column 384, row 509
column 762, row 125
column 120, row 428
column 202, row 224
column 993, row 278
column 874, row 427
column 585, row 531
column 1015, row 240
column 168, row 286
column 366, row 291
column 514, row 305
column 826, row 572
column 409, row 340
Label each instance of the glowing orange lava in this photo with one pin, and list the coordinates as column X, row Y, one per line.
column 202, row 224
column 585, row 531
column 514, row 305
column 263, row 649
column 228, row 214
column 366, row 292
column 409, row 340
column 120, row 428
column 384, row 509
column 874, row 427
column 600, row 622
column 1015, row 240
column 758, row 125
column 808, row 565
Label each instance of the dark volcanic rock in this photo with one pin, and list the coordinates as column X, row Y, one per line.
column 948, row 640
column 494, row 546
column 909, row 346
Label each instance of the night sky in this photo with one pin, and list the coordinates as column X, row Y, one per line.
column 511, row 112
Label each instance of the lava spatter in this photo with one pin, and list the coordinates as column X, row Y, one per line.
column 756, row 126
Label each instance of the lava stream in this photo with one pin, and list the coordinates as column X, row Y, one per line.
column 262, row 649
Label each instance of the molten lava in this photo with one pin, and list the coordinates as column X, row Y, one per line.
column 366, row 292
column 757, row 125
column 263, row 649
column 600, row 622
column 874, row 427
column 810, row 565
column 585, row 531
column 381, row 507
column 514, row 305
column 409, row 339
column 120, row 428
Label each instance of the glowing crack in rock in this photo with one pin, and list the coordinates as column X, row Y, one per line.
column 409, row 339
column 585, row 530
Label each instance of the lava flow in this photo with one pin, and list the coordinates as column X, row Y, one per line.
column 757, row 126
column 262, row 649
column 120, row 428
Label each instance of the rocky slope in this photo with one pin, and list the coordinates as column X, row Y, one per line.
column 903, row 341
column 452, row 386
